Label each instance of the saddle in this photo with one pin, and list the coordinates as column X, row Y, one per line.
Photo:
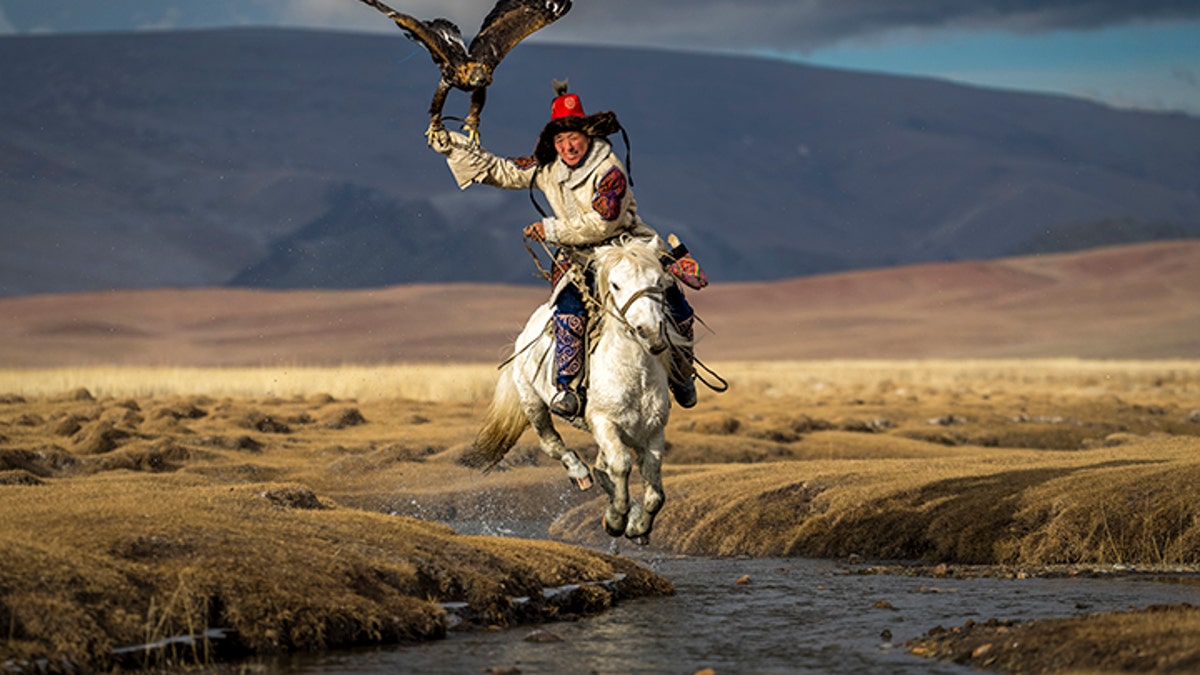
column 679, row 261
column 573, row 266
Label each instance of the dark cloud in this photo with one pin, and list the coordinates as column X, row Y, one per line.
column 787, row 25
column 44, row 16
column 808, row 24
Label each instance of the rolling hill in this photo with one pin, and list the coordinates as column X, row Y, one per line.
column 1128, row 302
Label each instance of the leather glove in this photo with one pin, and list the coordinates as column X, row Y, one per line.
column 446, row 142
column 440, row 141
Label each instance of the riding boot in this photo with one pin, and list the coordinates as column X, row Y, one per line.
column 683, row 371
column 568, row 365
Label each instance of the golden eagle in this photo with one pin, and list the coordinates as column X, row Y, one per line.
column 470, row 69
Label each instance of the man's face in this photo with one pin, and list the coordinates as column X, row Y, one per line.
column 571, row 146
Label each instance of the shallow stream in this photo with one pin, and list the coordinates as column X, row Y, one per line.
column 788, row 615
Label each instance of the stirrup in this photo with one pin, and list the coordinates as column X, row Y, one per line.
column 685, row 392
column 566, row 403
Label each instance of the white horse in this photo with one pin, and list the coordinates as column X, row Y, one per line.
column 628, row 400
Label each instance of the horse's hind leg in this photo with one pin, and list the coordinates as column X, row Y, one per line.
column 552, row 444
column 641, row 518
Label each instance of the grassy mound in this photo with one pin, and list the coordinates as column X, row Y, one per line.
column 1015, row 467
column 1131, row 504
column 135, row 522
column 115, row 560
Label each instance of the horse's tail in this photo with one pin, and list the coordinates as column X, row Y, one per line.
column 503, row 424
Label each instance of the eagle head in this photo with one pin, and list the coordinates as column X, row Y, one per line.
column 477, row 75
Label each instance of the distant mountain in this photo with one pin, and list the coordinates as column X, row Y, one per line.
column 295, row 159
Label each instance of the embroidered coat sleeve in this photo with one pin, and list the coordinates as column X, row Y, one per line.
column 472, row 164
column 605, row 208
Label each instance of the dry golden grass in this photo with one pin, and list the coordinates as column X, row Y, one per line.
column 471, row 382
column 1129, row 504
column 1176, row 377
column 420, row 382
column 144, row 503
column 1160, row 639
column 1018, row 463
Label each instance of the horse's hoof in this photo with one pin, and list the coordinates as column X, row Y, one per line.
column 612, row 532
column 641, row 540
column 583, row 482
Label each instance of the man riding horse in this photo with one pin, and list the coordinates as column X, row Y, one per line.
column 588, row 190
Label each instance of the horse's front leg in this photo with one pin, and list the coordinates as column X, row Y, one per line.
column 641, row 518
column 612, row 470
column 552, row 444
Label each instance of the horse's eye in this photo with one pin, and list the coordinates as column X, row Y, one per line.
column 616, row 288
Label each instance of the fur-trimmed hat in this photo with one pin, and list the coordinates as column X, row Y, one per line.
column 566, row 114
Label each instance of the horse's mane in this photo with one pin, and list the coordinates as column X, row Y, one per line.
column 638, row 251
column 642, row 254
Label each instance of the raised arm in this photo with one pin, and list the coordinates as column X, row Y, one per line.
column 470, row 163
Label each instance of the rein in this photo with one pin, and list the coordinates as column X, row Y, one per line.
column 656, row 295
column 720, row 385
column 588, row 298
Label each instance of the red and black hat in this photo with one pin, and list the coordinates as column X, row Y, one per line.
column 566, row 114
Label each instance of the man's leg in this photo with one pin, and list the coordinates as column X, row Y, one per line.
column 570, row 322
column 683, row 372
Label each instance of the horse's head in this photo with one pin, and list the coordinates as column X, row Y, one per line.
column 633, row 281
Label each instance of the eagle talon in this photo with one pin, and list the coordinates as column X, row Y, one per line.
column 436, row 136
column 472, row 133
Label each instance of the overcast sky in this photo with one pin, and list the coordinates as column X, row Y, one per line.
column 1130, row 53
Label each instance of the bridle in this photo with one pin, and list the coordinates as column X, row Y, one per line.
column 655, row 293
column 617, row 313
column 603, row 305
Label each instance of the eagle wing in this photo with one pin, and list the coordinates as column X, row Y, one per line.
column 511, row 21
column 439, row 37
